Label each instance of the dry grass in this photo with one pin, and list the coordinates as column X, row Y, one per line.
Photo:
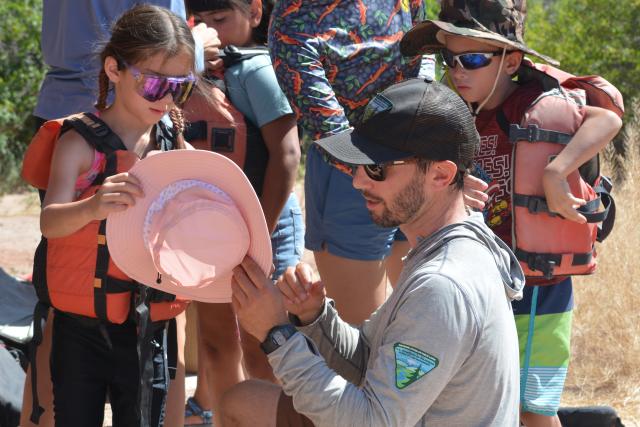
column 605, row 366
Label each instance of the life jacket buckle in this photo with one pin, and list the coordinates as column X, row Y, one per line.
column 541, row 263
column 531, row 133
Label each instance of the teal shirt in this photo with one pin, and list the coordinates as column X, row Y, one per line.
column 253, row 89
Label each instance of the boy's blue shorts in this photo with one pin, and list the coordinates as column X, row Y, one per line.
column 287, row 240
column 337, row 218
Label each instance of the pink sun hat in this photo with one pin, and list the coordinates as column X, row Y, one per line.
column 198, row 219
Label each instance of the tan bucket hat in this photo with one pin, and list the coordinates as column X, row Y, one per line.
column 496, row 22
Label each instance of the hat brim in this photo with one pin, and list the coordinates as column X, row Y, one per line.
column 352, row 148
column 426, row 38
column 124, row 229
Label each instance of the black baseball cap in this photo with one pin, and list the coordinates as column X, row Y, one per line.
column 414, row 118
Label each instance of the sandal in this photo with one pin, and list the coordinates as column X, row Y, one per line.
column 192, row 409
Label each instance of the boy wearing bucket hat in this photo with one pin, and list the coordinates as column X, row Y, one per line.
column 442, row 350
column 481, row 42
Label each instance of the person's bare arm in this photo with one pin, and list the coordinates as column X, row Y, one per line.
column 63, row 215
column 598, row 128
column 281, row 138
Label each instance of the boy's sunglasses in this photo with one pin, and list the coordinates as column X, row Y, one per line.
column 376, row 172
column 468, row 61
column 153, row 87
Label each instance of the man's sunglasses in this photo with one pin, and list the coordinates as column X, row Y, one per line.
column 153, row 87
column 376, row 172
column 468, row 61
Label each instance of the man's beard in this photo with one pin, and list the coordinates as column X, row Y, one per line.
column 403, row 208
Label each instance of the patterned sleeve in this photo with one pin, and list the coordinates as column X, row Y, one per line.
column 303, row 79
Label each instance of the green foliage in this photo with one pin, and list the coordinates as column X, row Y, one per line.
column 590, row 37
column 433, row 8
column 21, row 71
column 594, row 37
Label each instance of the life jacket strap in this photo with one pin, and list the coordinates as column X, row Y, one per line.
column 533, row 133
column 590, row 210
column 146, row 329
column 39, row 315
column 603, row 189
column 545, row 262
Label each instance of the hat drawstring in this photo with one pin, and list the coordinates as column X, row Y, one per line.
column 495, row 84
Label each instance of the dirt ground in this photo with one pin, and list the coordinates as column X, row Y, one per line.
column 19, row 232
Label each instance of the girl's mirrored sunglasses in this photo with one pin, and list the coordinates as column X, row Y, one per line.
column 469, row 60
column 153, row 87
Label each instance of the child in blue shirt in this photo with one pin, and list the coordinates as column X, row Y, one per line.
column 253, row 89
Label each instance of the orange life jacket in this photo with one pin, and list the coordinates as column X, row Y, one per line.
column 219, row 126
column 75, row 273
column 546, row 244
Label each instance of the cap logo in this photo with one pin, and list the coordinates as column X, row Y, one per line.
column 377, row 105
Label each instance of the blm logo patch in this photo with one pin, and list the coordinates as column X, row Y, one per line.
column 412, row 364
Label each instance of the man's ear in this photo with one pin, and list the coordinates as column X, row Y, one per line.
column 442, row 174
column 255, row 13
column 111, row 69
column 512, row 62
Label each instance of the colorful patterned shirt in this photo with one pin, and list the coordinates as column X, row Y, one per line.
column 332, row 56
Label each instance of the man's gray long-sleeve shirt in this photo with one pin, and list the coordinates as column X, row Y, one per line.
column 442, row 350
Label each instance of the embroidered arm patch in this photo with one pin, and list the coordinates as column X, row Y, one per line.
column 412, row 364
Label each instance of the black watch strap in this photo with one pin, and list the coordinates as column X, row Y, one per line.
column 277, row 336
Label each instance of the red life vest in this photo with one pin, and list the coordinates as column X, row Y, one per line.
column 214, row 124
column 75, row 273
column 546, row 244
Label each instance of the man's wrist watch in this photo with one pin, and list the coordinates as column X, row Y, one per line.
column 277, row 336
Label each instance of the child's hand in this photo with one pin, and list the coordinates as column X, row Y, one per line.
column 302, row 296
column 208, row 36
column 116, row 194
column 474, row 192
column 560, row 200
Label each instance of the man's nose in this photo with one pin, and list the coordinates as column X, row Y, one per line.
column 360, row 179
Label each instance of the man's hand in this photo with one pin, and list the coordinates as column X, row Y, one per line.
column 209, row 38
column 302, row 296
column 474, row 192
column 257, row 302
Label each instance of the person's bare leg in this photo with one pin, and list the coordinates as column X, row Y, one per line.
column 357, row 287
column 393, row 263
column 45, row 388
column 255, row 362
column 529, row 419
column 251, row 403
column 221, row 355
column 174, row 415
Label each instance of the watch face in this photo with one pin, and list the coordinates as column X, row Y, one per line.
column 279, row 338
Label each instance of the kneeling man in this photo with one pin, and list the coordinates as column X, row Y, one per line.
column 443, row 349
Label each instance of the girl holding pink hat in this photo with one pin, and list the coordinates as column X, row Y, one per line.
column 98, row 348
